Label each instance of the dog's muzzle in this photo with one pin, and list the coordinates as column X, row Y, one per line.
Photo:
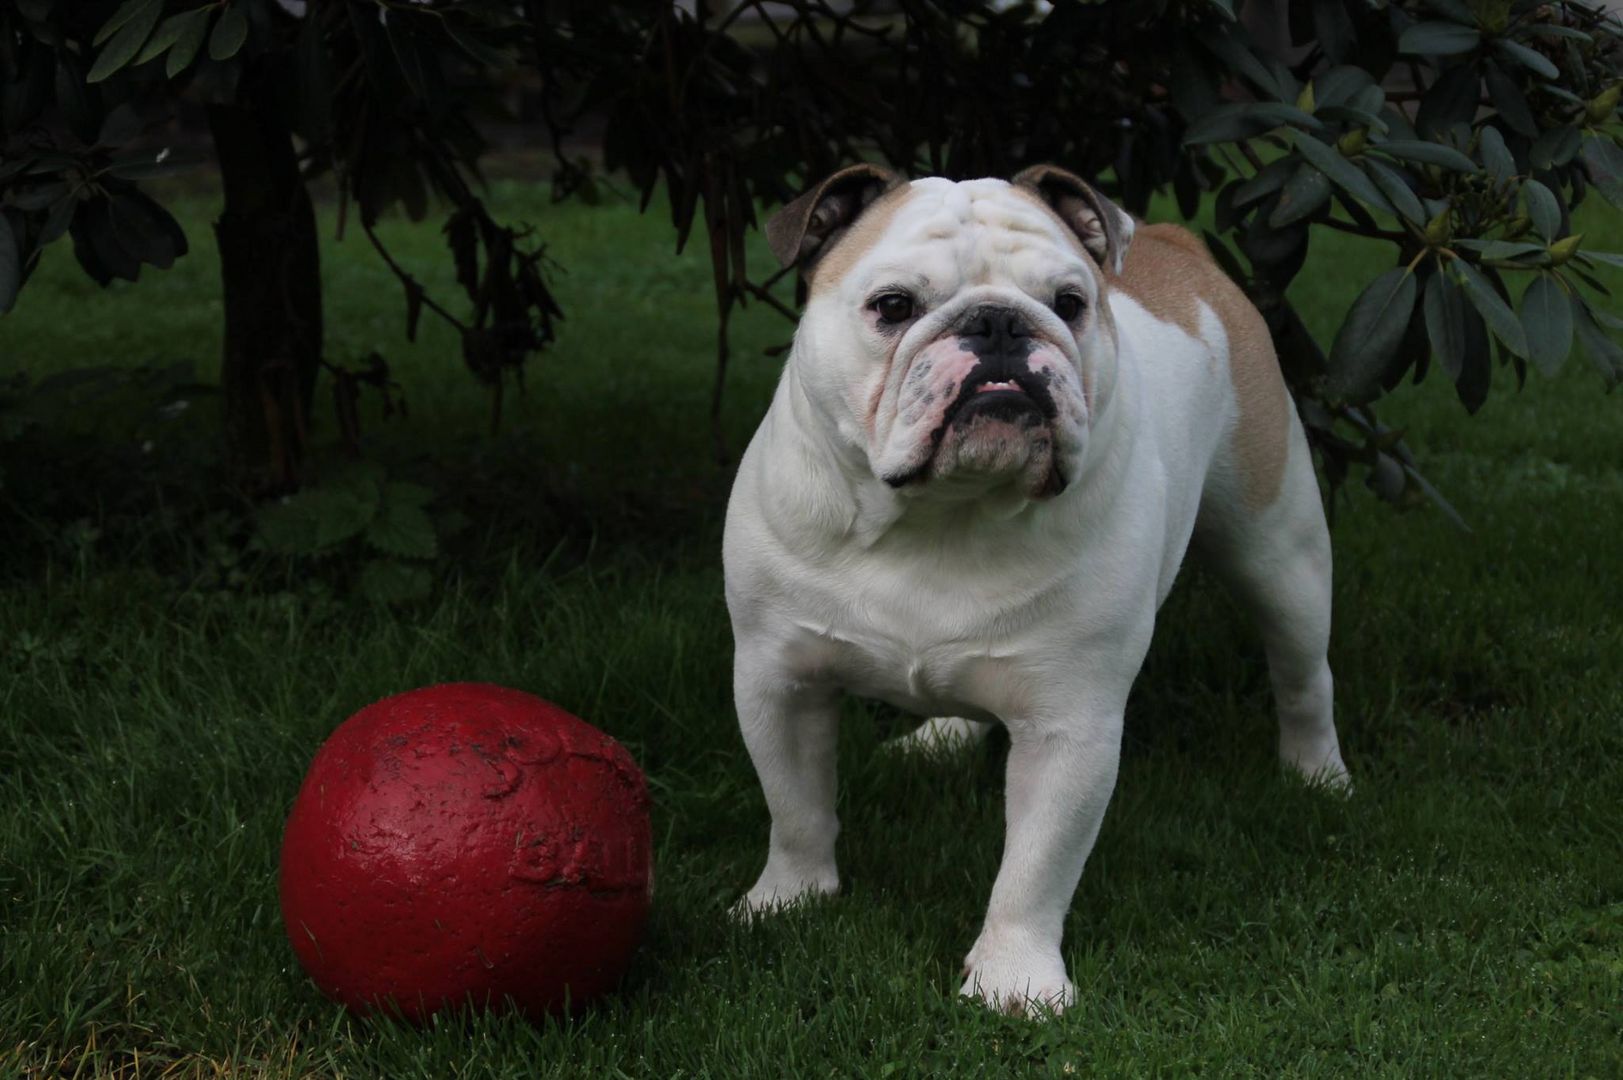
column 1001, row 385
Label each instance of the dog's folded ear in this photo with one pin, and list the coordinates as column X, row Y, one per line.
column 1104, row 228
column 807, row 228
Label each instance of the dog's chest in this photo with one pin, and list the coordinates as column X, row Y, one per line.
column 939, row 651
column 924, row 677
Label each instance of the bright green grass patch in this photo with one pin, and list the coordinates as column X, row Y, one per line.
column 1462, row 913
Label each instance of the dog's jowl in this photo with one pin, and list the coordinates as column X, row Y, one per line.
column 1009, row 412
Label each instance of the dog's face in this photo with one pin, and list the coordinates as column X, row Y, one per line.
column 955, row 331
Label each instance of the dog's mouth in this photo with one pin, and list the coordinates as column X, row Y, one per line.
column 991, row 392
column 1018, row 397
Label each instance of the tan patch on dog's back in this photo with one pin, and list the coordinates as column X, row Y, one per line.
column 1169, row 271
column 857, row 240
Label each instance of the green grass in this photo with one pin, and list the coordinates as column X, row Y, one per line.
column 162, row 694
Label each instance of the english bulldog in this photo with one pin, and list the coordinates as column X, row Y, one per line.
column 1008, row 412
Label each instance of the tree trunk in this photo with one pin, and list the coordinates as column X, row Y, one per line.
column 270, row 266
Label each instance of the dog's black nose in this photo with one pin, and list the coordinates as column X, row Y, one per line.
column 994, row 328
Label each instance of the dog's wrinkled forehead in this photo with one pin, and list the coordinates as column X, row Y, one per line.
column 969, row 232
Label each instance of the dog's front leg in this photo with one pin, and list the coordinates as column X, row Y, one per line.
column 1060, row 776
column 790, row 729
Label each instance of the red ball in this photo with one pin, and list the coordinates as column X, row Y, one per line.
column 462, row 842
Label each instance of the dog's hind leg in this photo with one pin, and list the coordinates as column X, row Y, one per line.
column 1275, row 558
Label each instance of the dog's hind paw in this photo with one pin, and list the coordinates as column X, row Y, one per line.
column 941, row 736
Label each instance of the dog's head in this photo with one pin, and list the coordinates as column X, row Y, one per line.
column 956, row 332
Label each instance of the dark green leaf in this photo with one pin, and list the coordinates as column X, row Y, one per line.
column 1304, row 194
column 1427, row 153
column 84, row 253
column 165, row 37
column 1547, row 317
column 1495, row 155
column 150, row 164
column 147, row 230
column 1529, row 58
column 1476, row 363
column 37, row 197
column 1500, row 249
column 1235, row 51
column 1372, row 99
column 57, row 222
column 1508, row 98
column 1607, row 257
column 1451, row 102
column 1265, row 183
column 1460, row 11
column 1227, row 123
column 1501, row 320
column 188, row 41
column 286, row 528
column 1274, row 253
column 360, row 478
column 402, row 493
column 11, row 266
column 123, row 45
column 121, row 125
column 1369, row 337
column 1337, row 35
column 1445, row 324
column 1604, row 353
column 339, row 514
column 1555, row 147
column 102, row 236
column 1352, row 115
column 1557, row 31
column 1543, row 209
column 1348, row 176
column 1604, row 163
column 126, row 13
column 1606, row 319
column 1396, row 189
column 317, row 519
column 1438, row 39
column 229, row 33
column 1564, row 94
column 403, row 530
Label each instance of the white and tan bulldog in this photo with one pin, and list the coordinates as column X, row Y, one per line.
column 1008, row 412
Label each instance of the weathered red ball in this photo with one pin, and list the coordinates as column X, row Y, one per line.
column 467, row 842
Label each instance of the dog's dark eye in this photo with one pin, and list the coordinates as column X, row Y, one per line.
column 894, row 307
column 1068, row 305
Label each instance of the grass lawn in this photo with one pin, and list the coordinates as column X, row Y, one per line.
column 162, row 692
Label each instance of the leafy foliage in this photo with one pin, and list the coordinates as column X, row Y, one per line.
column 355, row 510
column 1459, row 132
column 381, row 96
column 1462, row 134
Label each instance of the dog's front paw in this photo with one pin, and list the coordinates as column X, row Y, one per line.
column 776, row 891
column 1024, row 982
column 1317, row 763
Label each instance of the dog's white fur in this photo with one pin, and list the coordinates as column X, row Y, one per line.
column 971, row 593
